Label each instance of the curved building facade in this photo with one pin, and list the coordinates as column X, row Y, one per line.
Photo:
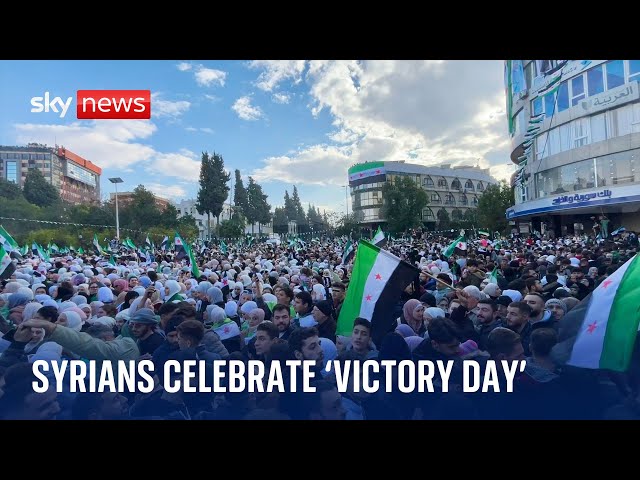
column 575, row 138
column 454, row 189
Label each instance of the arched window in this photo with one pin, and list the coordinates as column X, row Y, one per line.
column 480, row 187
column 435, row 198
column 449, row 199
column 463, row 199
column 442, row 182
column 455, row 185
column 427, row 215
column 427, row 182
column 469, row 185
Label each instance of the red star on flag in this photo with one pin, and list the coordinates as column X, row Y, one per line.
column 377, row 171
column 606, row 283
column 227, row 329
column 368, row 298
column 591, row 327
column 362, row 175
column 378, row 276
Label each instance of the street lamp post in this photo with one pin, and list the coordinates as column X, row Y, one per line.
column 116, row 181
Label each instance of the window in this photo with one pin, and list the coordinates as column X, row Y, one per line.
column 456, row 184
column 475, row 201
column 469, row 185
column 25, row 156
column 542, row 149
column 537, row 106
column 427, row 214
column 620, row 121
column 634, row 70
column 40, row 156
column 595, row 81
column 615, row 74
column 520, row 122
column 549, row 104
column 442, row 182
column 427, row 182
column 463, row 199
column 450, row 199
column 480, row 187
column 580, row 132
column 577, row 90
column 435, row 198
column 12, row 172
column 598, row 128
column 563, row 96
column 635, row 118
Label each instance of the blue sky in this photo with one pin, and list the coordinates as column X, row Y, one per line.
column 285, row 123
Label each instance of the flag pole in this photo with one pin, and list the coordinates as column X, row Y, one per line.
column 436, row 279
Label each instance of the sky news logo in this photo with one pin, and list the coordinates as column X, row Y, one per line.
column 99, row 104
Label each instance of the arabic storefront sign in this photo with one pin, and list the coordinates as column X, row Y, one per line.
column 616, row 96
column 579, row 198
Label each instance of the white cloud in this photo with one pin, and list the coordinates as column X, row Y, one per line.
column 167, row 191
column 207, row 130
column 191, row 129
column 183, row 164
column 281, row 98
column 205, row 77
column 167, row 108
column 425, row 112
column 245, row 110
column 276, row 71
column 213, row 98
column 317, row 165
column 111, row 144
column 201, row 129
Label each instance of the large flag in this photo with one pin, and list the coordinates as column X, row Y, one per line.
column 223, row 247
column 7, row 267
column 458, row 246
column 81, row 251
column 608, row 321
column 129, row 243
column 7, row 241
column 112, row 261
column 376, row 284
column 96, row 245
column 180, row 247
column 165, row 243
column 192, row 260
column 379, row 239
column 147, row 243
column 348, row 252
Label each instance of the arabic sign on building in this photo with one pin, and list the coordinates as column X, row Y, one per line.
column 577, row 198
column 614, row 97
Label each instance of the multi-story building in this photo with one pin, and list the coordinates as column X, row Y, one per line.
column 188, row 207
column 453, row 189
column 124, row 198
column 76, row 179
column 575, row 137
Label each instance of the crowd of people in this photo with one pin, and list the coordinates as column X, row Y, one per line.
column 500, row 300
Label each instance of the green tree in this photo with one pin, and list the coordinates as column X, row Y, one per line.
column 233, row 228
column 403, row 204
column 457, row 218
column 259, row 208
column 9, row 190
column 300, row 217
column 346, row 224
column 140, row 212
column 492, row 207
column 280, row 224
column 213, row 187
column 444, row 222
column 289, row 207
column 470, row 218
column 38, row 191
column 240, row 199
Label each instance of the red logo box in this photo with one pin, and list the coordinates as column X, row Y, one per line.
column 113, row 104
